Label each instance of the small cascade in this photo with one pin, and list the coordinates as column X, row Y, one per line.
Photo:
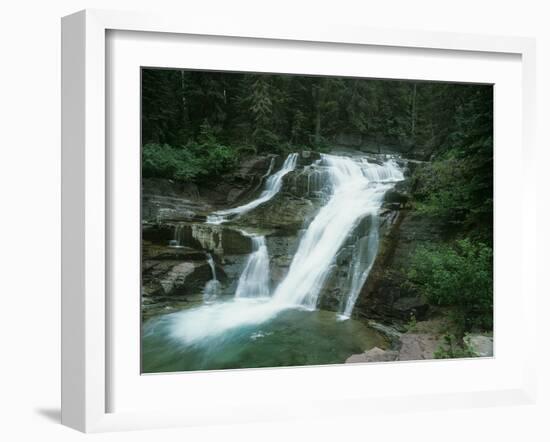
column 254, row 280
column 179, row 236
column 312, row 181
column 361, row 265
column 272, row 186
column 212, row 287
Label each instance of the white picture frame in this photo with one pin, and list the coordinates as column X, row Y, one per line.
column 86, row 206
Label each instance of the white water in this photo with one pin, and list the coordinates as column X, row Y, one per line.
column 357, row 189
column 362, row 263
column 254, row 280
column 212, row 287
column 272, row 186
column 356, row 192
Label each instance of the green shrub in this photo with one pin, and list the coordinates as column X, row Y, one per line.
column 453, row 348
column 458, row 275
column 193, row 162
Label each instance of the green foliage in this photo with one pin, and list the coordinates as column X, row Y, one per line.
column 443, row 189
column 411, row 325
column 264, row 110
column 192, row 162
column 458, row 275
column 453, row 348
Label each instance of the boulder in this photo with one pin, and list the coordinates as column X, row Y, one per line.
column 373, row 355
column 418, row 346
column 482, row 345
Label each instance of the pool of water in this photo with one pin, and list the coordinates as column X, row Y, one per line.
column 291, row 337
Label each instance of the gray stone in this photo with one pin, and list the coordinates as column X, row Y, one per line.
column 482, row 345
column 373, row 355
column 418, row 346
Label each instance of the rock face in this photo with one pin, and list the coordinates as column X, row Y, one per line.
column 167, row 278
column 219, row 239
column 283, row 212
column 166, row 200
column 384, row 296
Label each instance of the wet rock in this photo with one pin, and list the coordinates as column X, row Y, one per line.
column 281, row 250
column 345, row 255
column 173, row 278
column 168, row 200
column 308, row 157
column 399, row 239
column 218, row 239
column 242, row 184
column 283, row 212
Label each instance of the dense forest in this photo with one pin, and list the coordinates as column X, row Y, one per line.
column 197, row 126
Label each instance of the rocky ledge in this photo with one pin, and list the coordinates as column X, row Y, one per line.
column 420, row 343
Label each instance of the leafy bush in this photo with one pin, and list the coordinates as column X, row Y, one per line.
column 458, row 275
column 452, row 348
column 192, row 162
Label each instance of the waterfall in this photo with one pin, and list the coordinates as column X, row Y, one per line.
column 361, row 265
column 358, row 190
column 254, row 280
column 179, row 235
column 212, row 287
column 272, row 186
column 352, row 189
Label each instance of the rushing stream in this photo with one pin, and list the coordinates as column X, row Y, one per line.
column 265, row 326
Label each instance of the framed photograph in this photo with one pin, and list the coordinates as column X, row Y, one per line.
column 277, row 222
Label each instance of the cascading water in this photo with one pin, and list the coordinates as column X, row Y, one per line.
column 361, row 265
column 354, row 188
column 357, row 190
column 212, row 287
column 254, row 280
column 272, row 186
